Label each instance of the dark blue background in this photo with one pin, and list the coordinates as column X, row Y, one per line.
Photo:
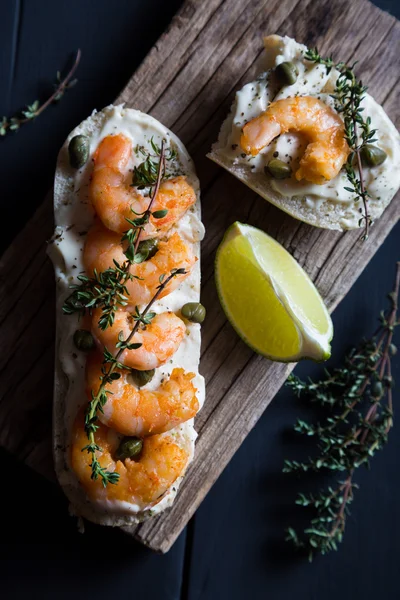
column 233, row 546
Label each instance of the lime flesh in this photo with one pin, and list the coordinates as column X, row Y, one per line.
column 269, row 299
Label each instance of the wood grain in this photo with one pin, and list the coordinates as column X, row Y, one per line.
column 187, row 82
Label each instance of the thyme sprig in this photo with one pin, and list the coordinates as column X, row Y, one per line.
column 32, row 111
column 132, row 236
column 314, row 56
column 348, row 95
column 359, row 396
column 99, row 399
column 145, row 174
column 107, row 290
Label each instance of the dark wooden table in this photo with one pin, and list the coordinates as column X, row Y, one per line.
column 233, row 546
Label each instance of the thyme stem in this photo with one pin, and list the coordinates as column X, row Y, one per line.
column 160, row 174
column 98, row 400
column 345, row 445
column 363, row 193
column 348, row 96
column 61, row 88
column 108, row 289
column 34, row 110
column 341, row 519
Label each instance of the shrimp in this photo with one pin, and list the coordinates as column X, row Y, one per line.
column 141, row 412
column 113, row 197
column 103, row 247
column 160, row 339
column 327, row 149
column 142, row 480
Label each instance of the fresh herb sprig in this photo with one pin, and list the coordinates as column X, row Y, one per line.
column 314, row 56
column 348, row 95
column 132, row 236
column 360, row 397
column 32, row 111
column 145, row 174
column 99, row 399
column 107, row 290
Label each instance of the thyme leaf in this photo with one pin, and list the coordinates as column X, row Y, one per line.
column 145, row 174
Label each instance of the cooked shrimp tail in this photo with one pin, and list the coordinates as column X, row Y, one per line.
column 103, row 247
column 327, row 149
column 159, row 340
column 143, row 480
column 114, row 198
column 141, row 412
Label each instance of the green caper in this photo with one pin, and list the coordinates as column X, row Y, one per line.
column 286, row 73
column 372, row 156
column 193, row 311
column 148, row 248
column 278, row 169
column 84, row 340
column 129, row 447
column 78, row 150
column 141, row 378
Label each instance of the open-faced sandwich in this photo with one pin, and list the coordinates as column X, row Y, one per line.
column 307, row 137
column 126, row 255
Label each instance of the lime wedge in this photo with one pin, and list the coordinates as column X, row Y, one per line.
column 268, row 298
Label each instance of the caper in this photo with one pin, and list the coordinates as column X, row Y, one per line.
column 84, row 340
column 286, row 73
column 193, row 311
column 393, row 349
column 372, row 156
column 278, row 169
column 78, row 150
column 129, row 447
column 141, row 378
column 148, row 248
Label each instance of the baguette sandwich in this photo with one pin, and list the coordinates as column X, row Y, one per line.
column 126, row 254
column 285, row 138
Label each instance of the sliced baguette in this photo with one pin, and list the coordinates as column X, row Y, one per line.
column 327, row 214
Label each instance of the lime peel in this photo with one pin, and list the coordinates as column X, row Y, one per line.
column 269, row 299
column 314, row 345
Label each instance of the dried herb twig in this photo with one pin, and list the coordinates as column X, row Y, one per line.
column 360, row 397
column 32, row 111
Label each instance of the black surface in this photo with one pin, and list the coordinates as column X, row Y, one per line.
column 233, row 547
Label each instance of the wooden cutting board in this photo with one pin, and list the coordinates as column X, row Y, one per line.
column 187, row 81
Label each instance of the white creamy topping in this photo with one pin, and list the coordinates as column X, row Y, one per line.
column 253, row 99
column 74, row 216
